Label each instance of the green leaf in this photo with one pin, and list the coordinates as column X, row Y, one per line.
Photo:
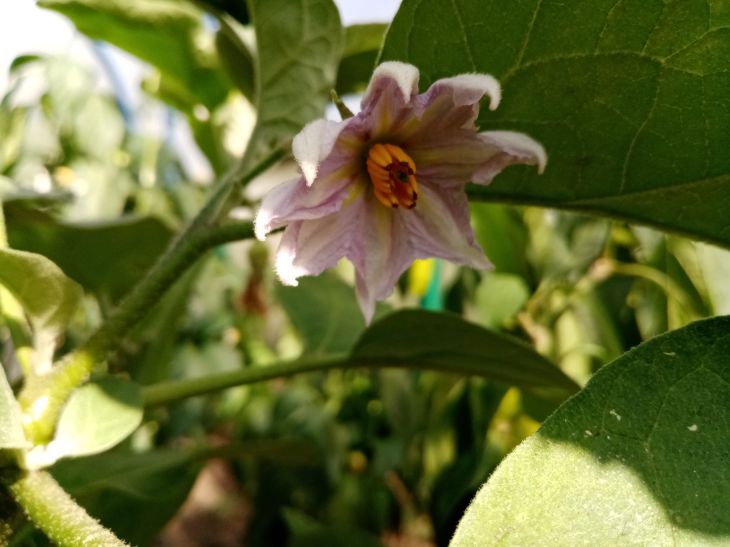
column 97, row 416
column 362, row 45
column 639, row 457
column 447, row 343
column 133, row 494
column 307, row 532
column 324, row 312
column 298, row 45
column 48, row 297
column 84, row 251
column 11, row 423
column 503, row 236
column 499, row 298
column 167, row 34
column 628, row 98
column 235, row 57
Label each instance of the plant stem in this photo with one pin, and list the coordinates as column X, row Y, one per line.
column 64, row 521
column 43, row 396
column 167, row 392
column 176, row 390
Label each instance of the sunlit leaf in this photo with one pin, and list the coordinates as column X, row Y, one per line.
column 628, row 98
column 638, row 457
column 47, row 296
column 298, row 48
column 11, row 425
column 167, row 34
column 97, row 416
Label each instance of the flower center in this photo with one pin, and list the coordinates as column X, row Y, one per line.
column 393, row 175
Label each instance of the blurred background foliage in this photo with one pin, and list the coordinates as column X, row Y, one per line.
column 343, row 457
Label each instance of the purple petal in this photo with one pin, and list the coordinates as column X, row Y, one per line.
column 380, row 253
column 452, row 160
column 439, row 227
column 312, row 246
column 448, row 107
column 393, row 77
column 295, row 200
column 513, row 148
column 387, row 102
column 468, row 157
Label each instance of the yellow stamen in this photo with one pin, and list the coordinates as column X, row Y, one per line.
column 393, row 174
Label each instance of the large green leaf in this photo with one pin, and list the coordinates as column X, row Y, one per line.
column 47, row 296
column 165, row 33
column 445, row 342
column 298, row 48
column 629, row 99
column 103, row 256
column 639, row 457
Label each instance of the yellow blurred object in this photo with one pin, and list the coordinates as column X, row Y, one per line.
column 419, row 276
column 357, row 461
column 64, row 175
column 511, row 425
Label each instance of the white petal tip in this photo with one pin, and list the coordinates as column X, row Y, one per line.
column 287, row 272
column 309, row 170
column 260, row 227
column 542, row 159
column 313, row 144
column 471, row 88
column 404, row 75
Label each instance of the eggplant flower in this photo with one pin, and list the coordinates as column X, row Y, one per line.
column 386, row 186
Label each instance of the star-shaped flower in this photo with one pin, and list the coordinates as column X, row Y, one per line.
column 386, row 186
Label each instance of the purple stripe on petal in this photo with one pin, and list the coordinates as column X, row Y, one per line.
column 513, row 148
column 439, row 227
column 312, row 246
column 294, row 200
column 381, row 253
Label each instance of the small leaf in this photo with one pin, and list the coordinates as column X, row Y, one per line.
column 235, row 57
column 639, row 457
column 97, row 416
column 324, row 312
column 133, row 494
column 499, row 298
column 48, row 297
column 362, row 45
column 298, row 47
column 447, row 343
column 11, row 424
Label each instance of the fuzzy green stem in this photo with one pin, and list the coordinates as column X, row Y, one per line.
column 44, row 396
column 65, row 522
